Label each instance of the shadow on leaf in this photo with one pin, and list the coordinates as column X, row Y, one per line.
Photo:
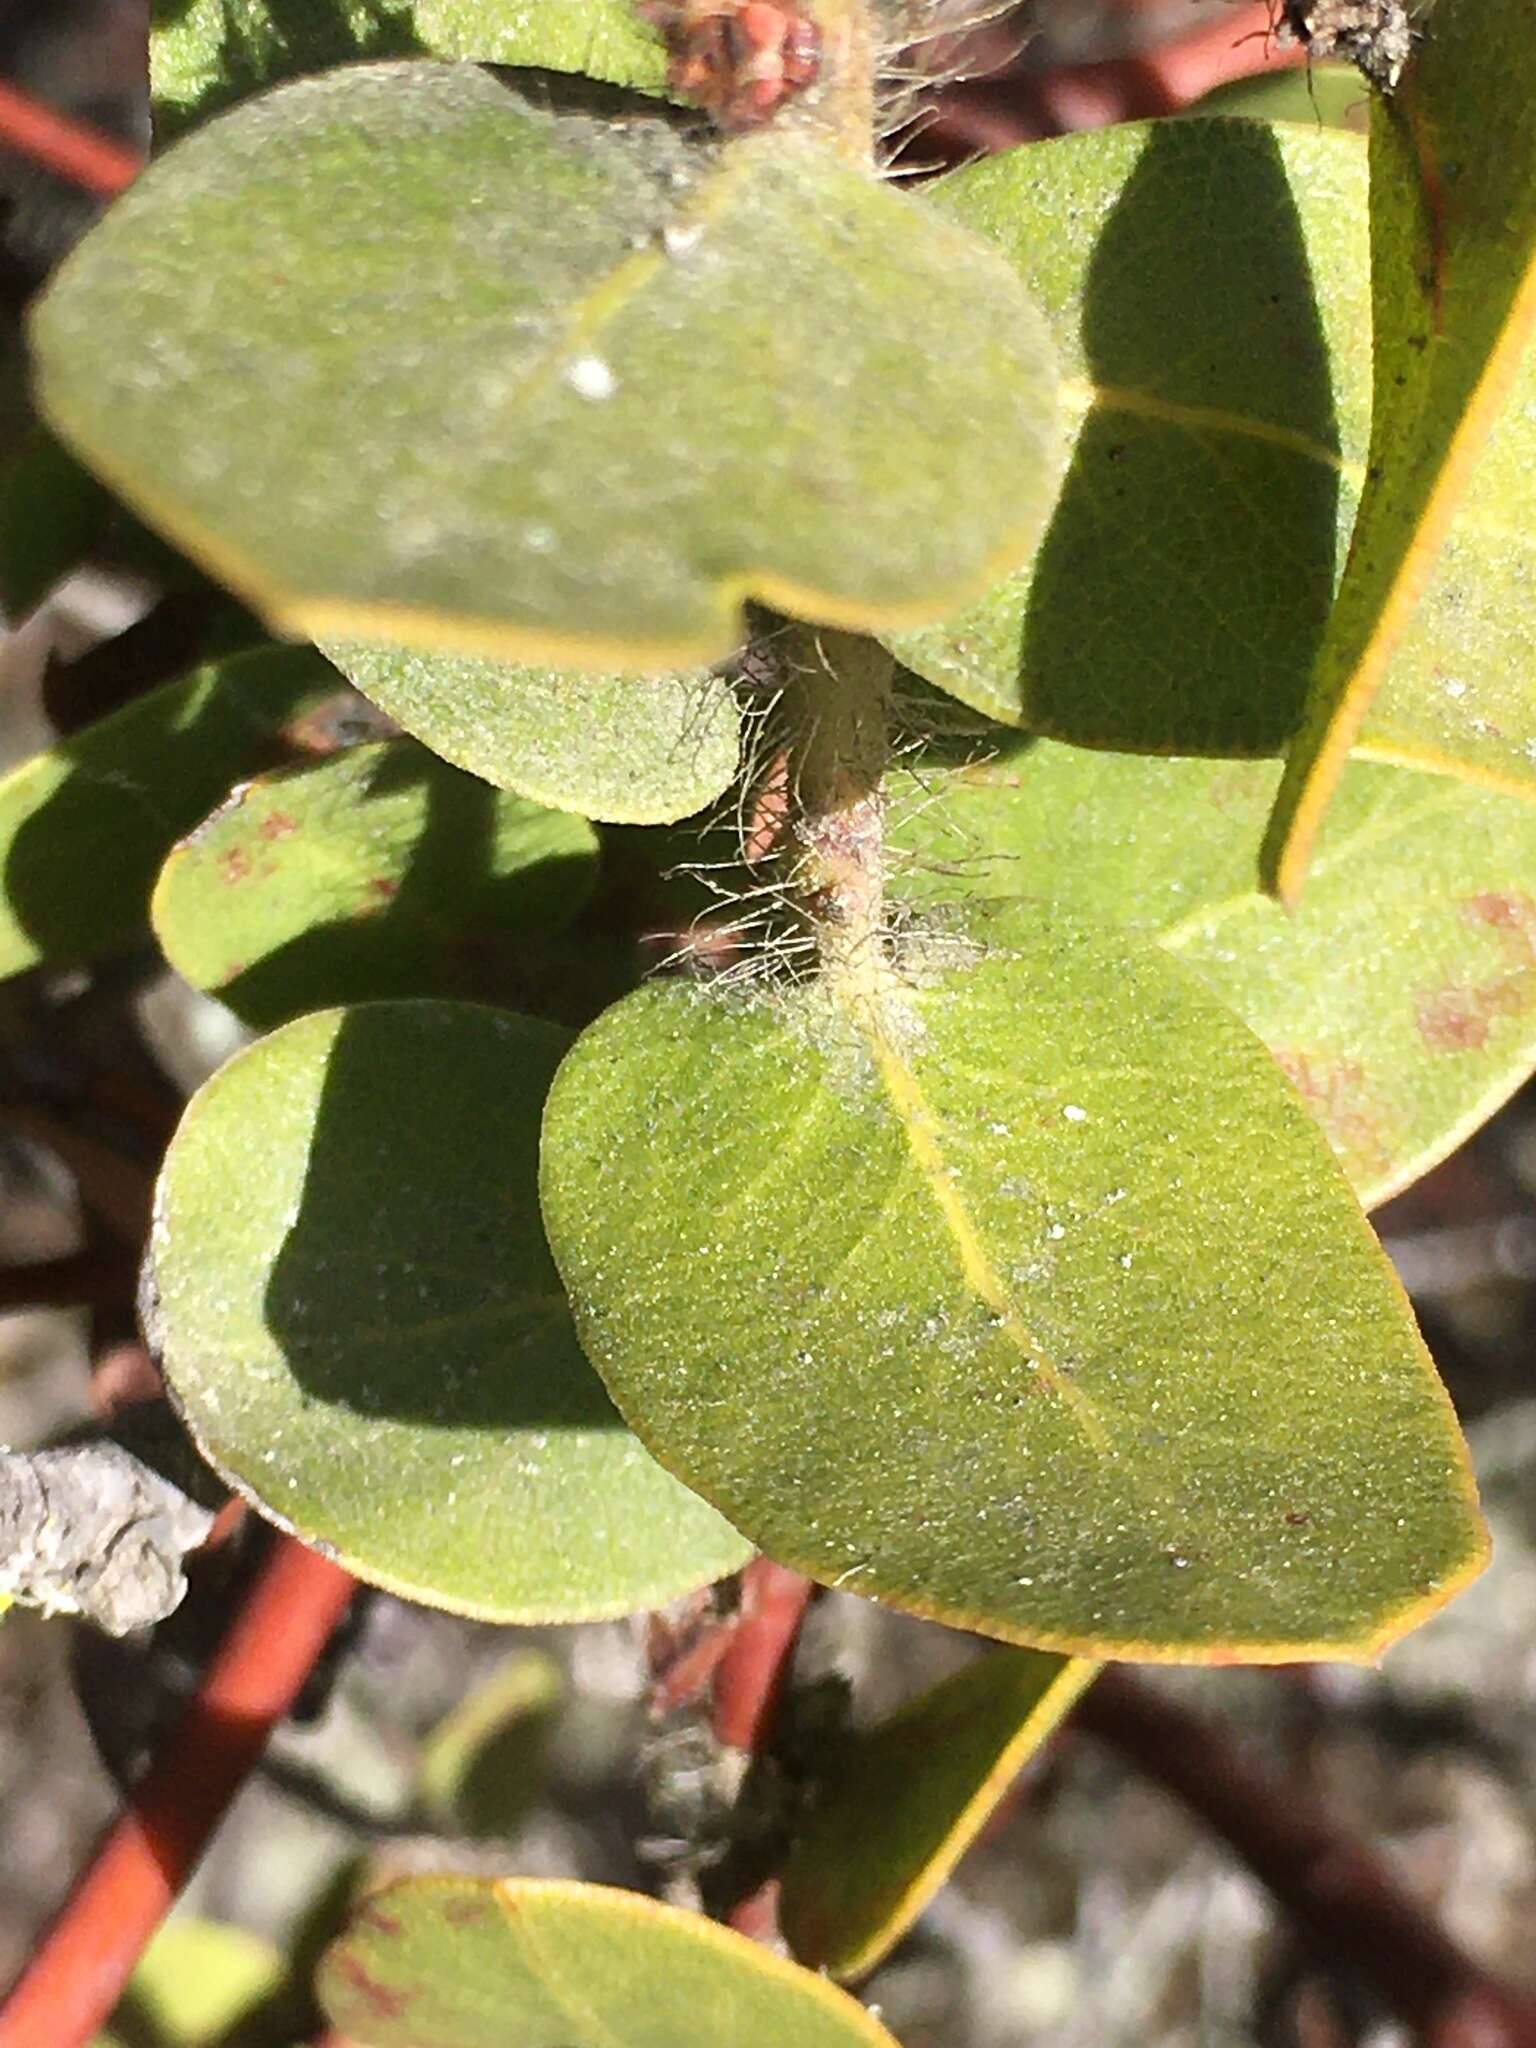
column 447, row 921
column 415, row 1281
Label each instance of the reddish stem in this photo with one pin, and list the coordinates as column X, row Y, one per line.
column 1000, row 112
column 1343, row 1896
column 86, row 157
column 749, row 1682
column 77, row 1974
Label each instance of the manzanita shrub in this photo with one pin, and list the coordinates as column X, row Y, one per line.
column 1005, row 589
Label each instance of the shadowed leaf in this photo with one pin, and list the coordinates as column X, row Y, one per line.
column 483, row 1767
column 1205, row 285
column 206, row 53
column 1208, row 288
column 371, row 1342
column 380, row 872
column 85, row 825
column 633, row 750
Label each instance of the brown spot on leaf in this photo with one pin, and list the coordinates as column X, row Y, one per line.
column 1453, row 1020
column 235, row 865
column 1460, row 1017
column 277, row 825
column 1512, row 913
column 383, row 887
column 373, row 1915
column 386, row 2000
column 1339, row 1096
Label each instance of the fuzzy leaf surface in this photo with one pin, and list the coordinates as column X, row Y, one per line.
column 904, row 1800
column 85, row 825
column 1453, row 264
column 1400, row 995
column 371, row 1343
column 380, row 872
column 631, row 750
column 205, row 54
column 460, row 1962
column 1035, row 1304
column 556, row 390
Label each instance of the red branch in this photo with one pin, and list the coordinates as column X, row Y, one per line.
column 1023, row 106
column 77, row 1974
column 748, row 1691
column 1345, row 1899
column 86, row 157
column 749, row 1682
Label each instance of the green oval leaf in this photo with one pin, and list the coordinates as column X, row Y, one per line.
column 206, row 53
column 371, row 1343
column 1400, row 997
column 1036, row 1305
column 904, row 1800
column 85, row 825
column 626, row 382
column 1205, row 284
column 380, row 872
column 483, row 1767
column 1453, row 266
column 629, row 750
column 462, row 1962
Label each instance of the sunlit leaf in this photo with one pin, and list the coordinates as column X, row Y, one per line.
column 1400, row 997
column 462, row 1962
column 379, row 872
column 1453, row 257
column 1036, row 1305
column 553, row 391
column 903, row 1801
column 371, row 1343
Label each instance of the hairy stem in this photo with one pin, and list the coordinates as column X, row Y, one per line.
column 837, row 706
column 843, row 106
